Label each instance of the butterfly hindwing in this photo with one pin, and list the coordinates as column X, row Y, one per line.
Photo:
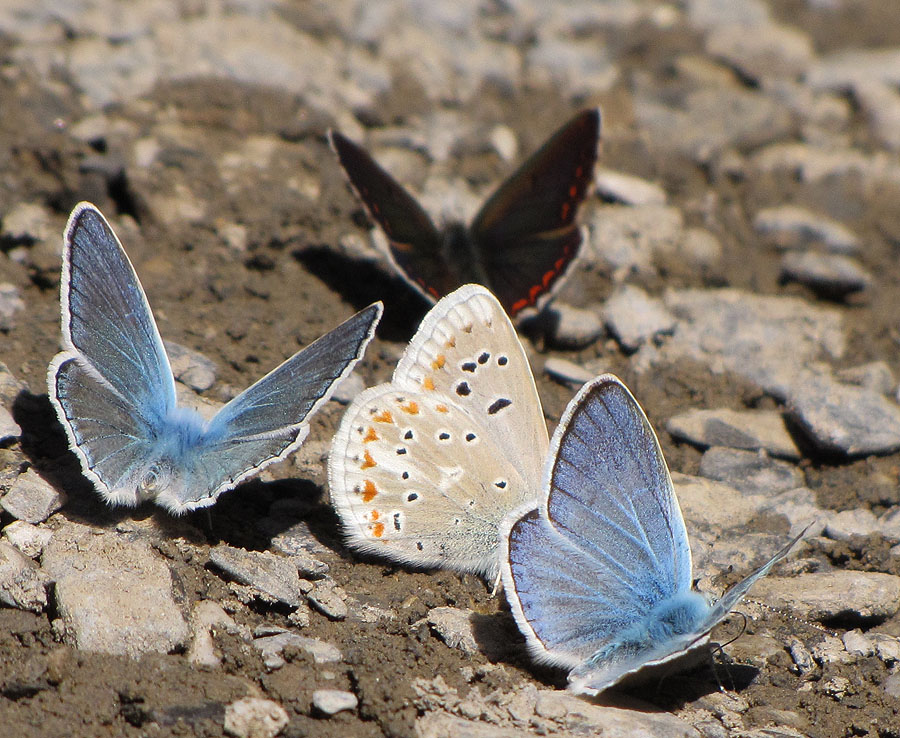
column 459, row 428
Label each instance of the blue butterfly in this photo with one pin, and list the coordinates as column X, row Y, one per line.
column 599, row 577
column 114, row 392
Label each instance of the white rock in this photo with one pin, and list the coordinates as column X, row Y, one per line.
column 113, row 592
column 32, row 499
column 635, row 317
column 454, row 626
column 857, row 643
column 627, row 238
column 829, row 275
column 825, row 596
column 842, row 525
column 772, row 50
column 191, row 367
column 271, row 646
column 791, row 226
column 22, row 584
column 567, row 371
column 11, row 302
column 744, row 429
column 881, row 104
column 273, row 576
column 329, row 599
column 332, row 701
column 28, row 538
column 843, row 70
column 571, row 327
column 9, row 428
column 253, row 717
column 207, row 616
column 26, row 221
column 627, row 188
column 751, row 472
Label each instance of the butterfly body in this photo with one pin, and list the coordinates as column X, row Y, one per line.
column 114, row 393
column 519, row 244
column 599, row 576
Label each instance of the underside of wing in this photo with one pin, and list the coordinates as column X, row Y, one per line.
column 467, row 349
column 415, row 478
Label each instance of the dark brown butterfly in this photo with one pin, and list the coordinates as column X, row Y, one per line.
column 521, row 241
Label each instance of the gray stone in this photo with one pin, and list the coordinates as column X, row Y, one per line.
column 801, row 656
column 876, row 376
column 891, row 685
column 842, row 525
column 627, row 238
column 766, row 339
column 272, row 576
column 27, row 538
column 750, row 472
column 751, row 430
column 206, row 617
column 699, row 247
column 27, row 222
column 794, row 227
column 830, row 650
column 571, row 327
column 348, row 388
column 567, row 371
column 309, row 567
column 845, row 419
column 253, row 717
column 32, row 499
column 9, row 428
column 843, row 70
column 113, row 592
column 635, row 318
column 751, row 14
column 575, row 65
column 811, row 164
column 826, row 596
column 772, row 50
column 454, row 627
column 857, row 643
column 191, row 367
column 271, row 646
column 880, row 103
column 627, row 189
column 22, row 584
column 886, row 646
column 329, row 599
column 11, row 302
column 829, row 275
column 710, row 120
column 333, row 701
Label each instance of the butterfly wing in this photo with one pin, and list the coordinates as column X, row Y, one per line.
column 609, row 542
column 424, row 469
column 526, row 232
column 415, row 244
column 111, row 385
column 269, row 419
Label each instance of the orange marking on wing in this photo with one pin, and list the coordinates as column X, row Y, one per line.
column 378, row 530
column 370, row 435
column 384, row 417
column 442, row 409
column 412, row 407
column 518, row 305
column 558, row 264
column 374, row 515
column 369, row 491
column 579, row 170
column 369, row 461
column 439, row 362
column 434, row 293
column 428, row 383
column 573, row 190
column 451, row 342
column 566, row 207
column 534, row 292
column 548, row 278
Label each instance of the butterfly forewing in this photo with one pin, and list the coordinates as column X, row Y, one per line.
column 416, row 246
column 106, row 317
column 270, row 418
column 526, row 232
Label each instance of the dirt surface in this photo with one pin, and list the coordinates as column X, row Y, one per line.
column 247, row 309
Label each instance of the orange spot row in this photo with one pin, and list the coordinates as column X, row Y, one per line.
column 439, row 362
column 451, row 342
column 370, row 435
column 442, row 409
column 368, row 462
column 411, row 407
column 378, row 530
column 384, row 417
column 428, row 383
column 369, row 491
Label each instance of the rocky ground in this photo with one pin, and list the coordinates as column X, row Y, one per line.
column 740, row 275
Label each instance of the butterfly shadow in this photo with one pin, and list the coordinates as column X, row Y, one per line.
column 361, row 283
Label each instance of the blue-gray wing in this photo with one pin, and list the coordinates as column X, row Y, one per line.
column 111, row 385
column 270, row 418
column 609, row 542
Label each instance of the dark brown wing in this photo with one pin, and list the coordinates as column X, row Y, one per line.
column 526, row 232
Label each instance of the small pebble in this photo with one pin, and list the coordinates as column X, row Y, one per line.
column 32, row 499
column 332, row 701
column 828, row 275
column 253, row 717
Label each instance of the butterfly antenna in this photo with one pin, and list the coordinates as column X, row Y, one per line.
column 743, row 630
column 715, row 671
column 794, row 618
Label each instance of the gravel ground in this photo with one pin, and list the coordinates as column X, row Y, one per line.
column 740, row 274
